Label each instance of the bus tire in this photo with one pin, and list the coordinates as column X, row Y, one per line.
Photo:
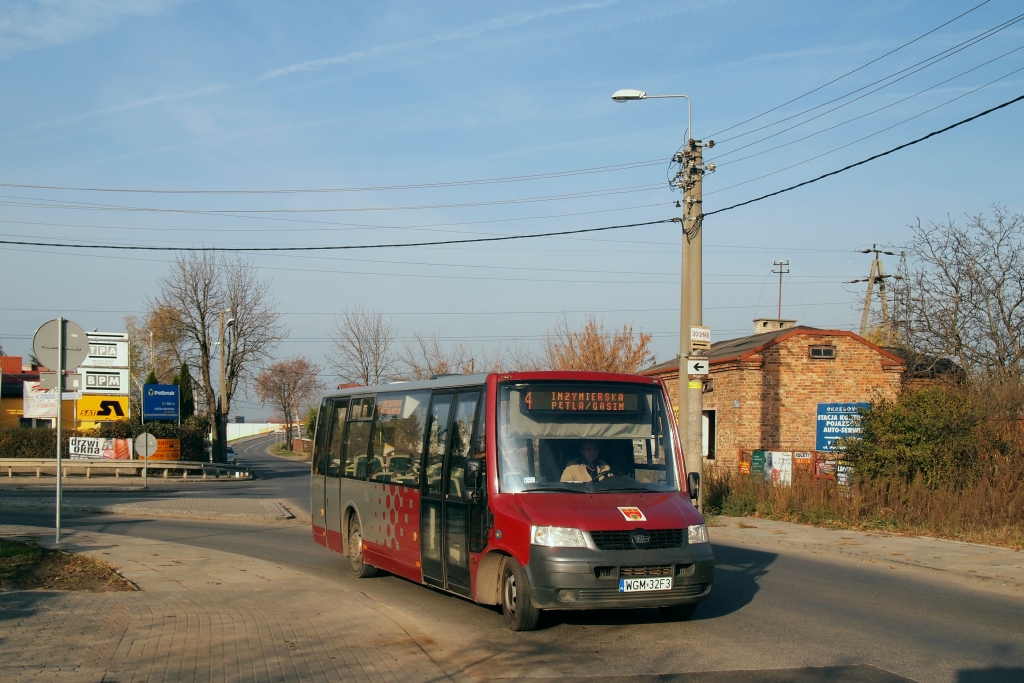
column 679, row 612
column 355, row 552
column 516, row 604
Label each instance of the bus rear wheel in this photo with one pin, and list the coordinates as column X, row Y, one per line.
column 516, row 605
column 355, row 553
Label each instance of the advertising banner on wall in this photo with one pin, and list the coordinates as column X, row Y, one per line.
column 102, row 408
column 167, row 449
column 37, row 402
column 773, row 466
column 838, row 421
column 87, row 448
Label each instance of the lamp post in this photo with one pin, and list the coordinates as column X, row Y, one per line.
column 691, row 304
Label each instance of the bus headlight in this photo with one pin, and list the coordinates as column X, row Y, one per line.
column 557, row 537
column 698, row 533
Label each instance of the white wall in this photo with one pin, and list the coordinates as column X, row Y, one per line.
column 239, row 431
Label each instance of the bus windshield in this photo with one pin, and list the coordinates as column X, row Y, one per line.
column 585, row 438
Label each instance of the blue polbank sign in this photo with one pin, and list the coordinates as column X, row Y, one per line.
column 838, row 421
column 160, row 402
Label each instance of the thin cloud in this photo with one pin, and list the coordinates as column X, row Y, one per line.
column 32, row 24
column 463, row 33
column 165, row 97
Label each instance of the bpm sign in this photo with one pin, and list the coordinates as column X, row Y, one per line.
column 112, row 381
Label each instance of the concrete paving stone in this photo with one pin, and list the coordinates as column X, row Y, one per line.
column 200, row 617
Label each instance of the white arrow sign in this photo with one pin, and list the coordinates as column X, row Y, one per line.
column 696, row 367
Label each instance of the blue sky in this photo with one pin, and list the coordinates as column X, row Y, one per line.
column 220, row 95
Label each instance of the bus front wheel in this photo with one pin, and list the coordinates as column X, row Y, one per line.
column 516, row 605
column 355, row 553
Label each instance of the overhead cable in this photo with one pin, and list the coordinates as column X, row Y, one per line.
column 850, row 73
column 334, row 248
column 871, row 158
column 930, row 61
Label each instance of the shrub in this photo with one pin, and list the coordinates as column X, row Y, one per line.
column 41, row 443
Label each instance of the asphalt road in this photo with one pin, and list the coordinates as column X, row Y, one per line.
column 769, row 610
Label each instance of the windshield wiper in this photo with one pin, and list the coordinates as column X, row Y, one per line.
column 551, row 488
column 640, row 489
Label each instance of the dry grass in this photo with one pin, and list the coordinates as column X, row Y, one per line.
column 26, row 566
column 988, row 510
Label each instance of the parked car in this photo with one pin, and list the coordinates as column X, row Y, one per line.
column 231, row 455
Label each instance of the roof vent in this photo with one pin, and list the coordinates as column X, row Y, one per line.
column 772, row 325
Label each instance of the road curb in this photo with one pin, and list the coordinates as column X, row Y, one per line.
column 275, row 511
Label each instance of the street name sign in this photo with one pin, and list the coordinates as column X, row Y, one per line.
column 700, row 337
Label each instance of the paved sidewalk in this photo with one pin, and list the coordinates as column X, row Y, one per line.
column 240, row 509
column 982, row 566
column 202, row 615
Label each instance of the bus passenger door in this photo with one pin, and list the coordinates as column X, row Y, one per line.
column 432, row 492
column 335, row 465
column 318, row 475
column 456, row 512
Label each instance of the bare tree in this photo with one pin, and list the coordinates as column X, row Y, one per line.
column 290, row 385
column 431, row 355
column 964, row 300
column 157, row 343
column 192, row 296
column 591, row 348
column 362, row 348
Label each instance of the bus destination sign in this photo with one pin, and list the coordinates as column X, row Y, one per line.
column 581, row 401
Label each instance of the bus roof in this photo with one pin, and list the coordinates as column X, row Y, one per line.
column 452, row 381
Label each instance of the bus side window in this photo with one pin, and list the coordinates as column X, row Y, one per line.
column 335, row 438
column 357, row 438
column 398, row 437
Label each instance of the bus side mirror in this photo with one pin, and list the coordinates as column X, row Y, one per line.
column 693, row 483
column 472, row 477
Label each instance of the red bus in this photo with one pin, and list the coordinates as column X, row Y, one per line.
column 529, row 490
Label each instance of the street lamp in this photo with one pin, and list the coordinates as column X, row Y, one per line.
column 691, row 304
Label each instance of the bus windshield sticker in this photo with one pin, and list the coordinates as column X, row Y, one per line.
column 633, row 514
column 581, row 401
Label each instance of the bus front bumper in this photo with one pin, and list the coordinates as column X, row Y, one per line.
column 583, row 578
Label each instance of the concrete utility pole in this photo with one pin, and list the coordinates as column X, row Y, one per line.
column 876, row 276
column 689, row 180
column 782, row 270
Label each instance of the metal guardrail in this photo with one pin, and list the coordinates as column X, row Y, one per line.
column 12, row 467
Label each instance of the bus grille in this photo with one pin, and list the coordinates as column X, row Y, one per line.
column 632, row 572
column 619, row 540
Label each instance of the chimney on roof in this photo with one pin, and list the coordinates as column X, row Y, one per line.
column 762, row 325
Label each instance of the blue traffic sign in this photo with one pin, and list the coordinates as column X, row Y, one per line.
column 160, row 402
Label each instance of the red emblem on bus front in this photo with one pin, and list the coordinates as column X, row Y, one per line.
column 633, row 514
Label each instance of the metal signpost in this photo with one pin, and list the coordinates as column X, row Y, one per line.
column 145, row 446
column 60, row 344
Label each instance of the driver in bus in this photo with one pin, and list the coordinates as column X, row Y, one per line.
column 588, row 466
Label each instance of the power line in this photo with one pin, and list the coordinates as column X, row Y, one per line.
column 377, row 188
column 862, row 139
column 861, row 116
column 333, row 248
column 850, row 73
column 930, row 61
column 872, row 158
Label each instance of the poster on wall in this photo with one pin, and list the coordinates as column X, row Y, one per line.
column 167, row 449
column 88, row 448
column 39, row 403
column 838, row 421
column 778, row 467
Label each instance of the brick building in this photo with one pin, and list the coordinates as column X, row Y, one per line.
column 763, row 390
